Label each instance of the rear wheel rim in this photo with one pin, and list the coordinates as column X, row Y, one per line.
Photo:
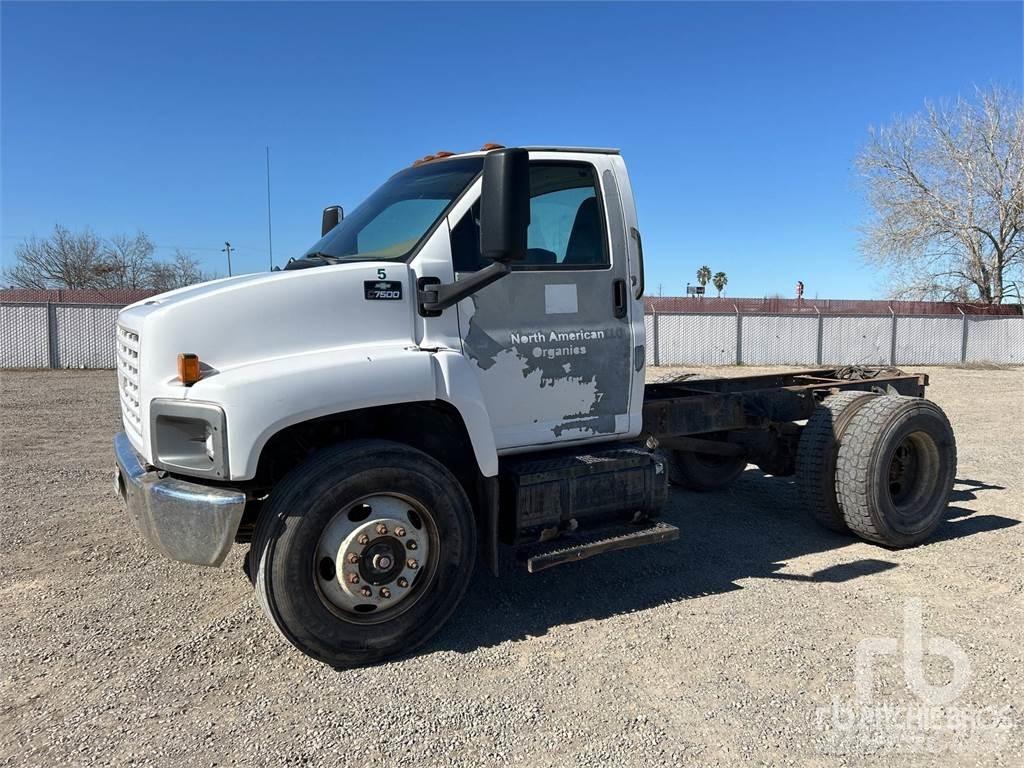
column 376, row 558
column 911, row 479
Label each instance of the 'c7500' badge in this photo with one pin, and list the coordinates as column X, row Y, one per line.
column 382, row 290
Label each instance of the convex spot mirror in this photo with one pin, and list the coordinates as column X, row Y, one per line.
column 333, row 214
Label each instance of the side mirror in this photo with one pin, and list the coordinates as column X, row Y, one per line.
column 333, row 214
column 505, row 205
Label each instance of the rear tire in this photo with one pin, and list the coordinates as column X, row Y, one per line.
column 315, row 538
column 704, row 471
column 895, row 470
column 816, row 457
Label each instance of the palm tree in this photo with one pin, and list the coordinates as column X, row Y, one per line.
column 704, row 275
column 719, row 281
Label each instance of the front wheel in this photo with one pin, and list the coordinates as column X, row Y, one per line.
column 363, row 552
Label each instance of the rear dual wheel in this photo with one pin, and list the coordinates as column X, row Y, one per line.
column 816, row 457
column 363, row 552
column 880, row 466
column 895, row 470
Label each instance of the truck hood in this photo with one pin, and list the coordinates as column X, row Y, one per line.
column 251, row 318
column 199, row 289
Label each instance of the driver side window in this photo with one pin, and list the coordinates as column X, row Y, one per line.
column 566, row 223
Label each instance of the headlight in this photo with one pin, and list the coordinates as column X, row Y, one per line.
column 189, row 437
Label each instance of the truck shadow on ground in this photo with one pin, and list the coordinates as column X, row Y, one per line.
column 747, row 531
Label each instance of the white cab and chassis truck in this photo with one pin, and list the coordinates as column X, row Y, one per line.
column 456, row 372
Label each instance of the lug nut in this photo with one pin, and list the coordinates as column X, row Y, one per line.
column 385, row 593
column 363, row 539
column 399, row 531
column 365, row 592
column 382, row 529
column 410, row 544
column 412, row 564
column 403, row 582
column 353, row 578
column 353, row 558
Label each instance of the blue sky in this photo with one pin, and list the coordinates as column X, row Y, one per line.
column 739, row 122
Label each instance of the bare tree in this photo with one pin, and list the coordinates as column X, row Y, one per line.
column 947, row 192
column 183, row 270
column 69, row 259
column 65, row 259
column 127, row 262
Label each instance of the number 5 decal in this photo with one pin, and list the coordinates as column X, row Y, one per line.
column 381, row 274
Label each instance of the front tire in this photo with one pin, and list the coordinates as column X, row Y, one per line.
column 363, row 552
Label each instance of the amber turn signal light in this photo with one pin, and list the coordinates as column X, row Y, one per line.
column 188, row 368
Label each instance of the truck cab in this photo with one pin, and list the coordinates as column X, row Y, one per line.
column 566, row 321
column 456, row 368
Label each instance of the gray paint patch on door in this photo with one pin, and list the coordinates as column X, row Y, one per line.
column 560, row 299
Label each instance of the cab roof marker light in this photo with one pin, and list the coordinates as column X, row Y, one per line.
column 442, row 154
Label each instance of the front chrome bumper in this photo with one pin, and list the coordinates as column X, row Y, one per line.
column 186, row 521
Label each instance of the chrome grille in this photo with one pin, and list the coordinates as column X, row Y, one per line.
column 128, row 378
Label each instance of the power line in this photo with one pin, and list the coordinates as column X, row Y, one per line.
column 212, row 249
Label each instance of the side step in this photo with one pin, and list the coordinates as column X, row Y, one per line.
column 598, row 543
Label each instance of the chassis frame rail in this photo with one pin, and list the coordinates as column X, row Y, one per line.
column 695, row 406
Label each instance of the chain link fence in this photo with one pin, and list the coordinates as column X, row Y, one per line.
column 786, row 339
column 55, row 335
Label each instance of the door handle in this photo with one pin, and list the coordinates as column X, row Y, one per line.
column 619, row 293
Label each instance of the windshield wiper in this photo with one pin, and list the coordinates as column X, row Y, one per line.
column 315, row 259
column 321, row 255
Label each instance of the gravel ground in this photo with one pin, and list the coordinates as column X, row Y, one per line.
column 734, row 645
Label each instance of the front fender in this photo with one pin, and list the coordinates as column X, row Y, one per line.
column 459, row 386
column 260, row 399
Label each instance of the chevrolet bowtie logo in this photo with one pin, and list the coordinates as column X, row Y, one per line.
column 382, row 290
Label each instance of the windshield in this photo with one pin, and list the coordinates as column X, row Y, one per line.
column 391, row 221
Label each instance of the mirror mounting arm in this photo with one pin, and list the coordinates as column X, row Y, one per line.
column 435, row 296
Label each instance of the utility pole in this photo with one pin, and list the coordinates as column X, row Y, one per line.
column 270, row 233
column 227, row 249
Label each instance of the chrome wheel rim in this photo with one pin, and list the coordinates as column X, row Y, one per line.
column 375, row 558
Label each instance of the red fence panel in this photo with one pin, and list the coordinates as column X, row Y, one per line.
column 114, row 296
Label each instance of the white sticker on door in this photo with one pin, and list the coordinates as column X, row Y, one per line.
column 560, row 299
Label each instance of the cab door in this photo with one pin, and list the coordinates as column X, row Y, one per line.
column 551, row 343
